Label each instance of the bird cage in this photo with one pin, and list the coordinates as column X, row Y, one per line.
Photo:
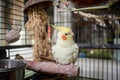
column 95, row 28
column 11, row 15
column 98, row 41
column 93, row 34
column 37, row 24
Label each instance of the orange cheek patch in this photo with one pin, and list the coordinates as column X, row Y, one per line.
column 64, row 37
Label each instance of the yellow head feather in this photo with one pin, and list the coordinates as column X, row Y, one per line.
column 61, row 28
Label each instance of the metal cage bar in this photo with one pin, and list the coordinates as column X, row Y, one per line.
column 11, row 12
column 99, row 44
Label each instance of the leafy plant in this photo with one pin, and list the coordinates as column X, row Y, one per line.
column 98, row 53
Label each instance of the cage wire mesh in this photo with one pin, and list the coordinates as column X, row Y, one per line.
column 99, row 44
column 99, row 56
column 11, row 12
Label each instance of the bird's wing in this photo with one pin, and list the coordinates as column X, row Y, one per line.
column 75, row 53
column 53, row 52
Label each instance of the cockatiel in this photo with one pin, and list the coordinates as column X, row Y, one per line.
column 65, row 51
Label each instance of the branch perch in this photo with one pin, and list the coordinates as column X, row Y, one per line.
column 50, row 67
column 99, row 19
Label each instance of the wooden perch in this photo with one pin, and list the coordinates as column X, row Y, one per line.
column 50, row 67
column 115, row 18
column 99, row 19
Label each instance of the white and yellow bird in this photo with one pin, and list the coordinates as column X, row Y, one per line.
column 65, row 51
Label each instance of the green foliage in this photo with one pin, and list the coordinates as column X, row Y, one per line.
column 98, row 53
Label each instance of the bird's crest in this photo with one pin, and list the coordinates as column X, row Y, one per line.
column 61, row 28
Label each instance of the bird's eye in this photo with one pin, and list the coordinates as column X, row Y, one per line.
column 66, row 34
